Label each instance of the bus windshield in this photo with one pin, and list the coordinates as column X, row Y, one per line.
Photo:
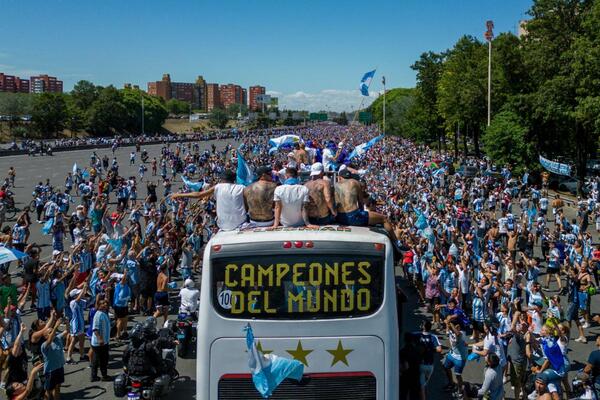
column 297, row 286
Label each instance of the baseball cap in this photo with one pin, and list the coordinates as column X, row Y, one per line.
column 316, row 169
column 74, row 292
column 55, row 252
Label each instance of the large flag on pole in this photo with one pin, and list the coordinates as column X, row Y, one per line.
column 365, row 82
column 364, row 147
column 245, row 175
column 269, row 370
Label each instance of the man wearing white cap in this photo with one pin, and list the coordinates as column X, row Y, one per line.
column 320, row 208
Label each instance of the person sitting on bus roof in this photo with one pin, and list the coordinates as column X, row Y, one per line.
column 258, row 197
column 350, row 197
column 291, row 200
column 231, row 211
column 320, row 208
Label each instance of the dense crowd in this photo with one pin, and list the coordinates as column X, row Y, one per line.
column 474, row 242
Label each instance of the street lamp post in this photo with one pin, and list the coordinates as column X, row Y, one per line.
column 143, row 115
column 489, row 35
column 383, row 82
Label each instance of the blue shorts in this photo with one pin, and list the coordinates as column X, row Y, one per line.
column 54, row 378
column 328, row 220
column 355, row 218
column 583, row 299
column 458, row 365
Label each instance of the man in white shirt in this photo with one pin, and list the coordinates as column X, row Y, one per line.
column 190, row 297
column 291, row 199
column 231, row 211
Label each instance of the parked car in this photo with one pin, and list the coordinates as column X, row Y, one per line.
column 567, row 184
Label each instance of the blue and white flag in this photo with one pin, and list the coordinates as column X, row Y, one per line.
column 47, row 227
column 283, row 141
column 365, row 82
column 194, row 186
column 363, row 148
column 245, row 175
column 269, row 370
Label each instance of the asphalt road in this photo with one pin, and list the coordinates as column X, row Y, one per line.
column 31, row 170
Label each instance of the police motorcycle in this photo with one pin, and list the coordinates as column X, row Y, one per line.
column 150, row 360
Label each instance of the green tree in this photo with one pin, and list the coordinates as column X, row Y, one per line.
column 398, row 101
column 342, row 119
column 76, row 116
column 560, row 47
column 234, row 109
column 155, row 112
column 50, row 113
column 218, row 118
column 427, row 123
column 13, row 106
column 84, row 94
column 178, row 107
column 107, row 113
column 505, row 141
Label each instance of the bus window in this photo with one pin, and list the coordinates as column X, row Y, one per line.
column 297, row 286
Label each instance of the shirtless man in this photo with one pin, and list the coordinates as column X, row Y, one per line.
column 349, row 197
column 320, row 209
column 161, row 297
column 259, row 198
column 300, row 154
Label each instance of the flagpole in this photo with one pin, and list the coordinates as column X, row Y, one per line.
column 383, row 82
column 362, row 100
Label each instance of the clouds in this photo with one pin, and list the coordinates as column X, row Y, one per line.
column 327, row 99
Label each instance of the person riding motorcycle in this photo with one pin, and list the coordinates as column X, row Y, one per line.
column 190, row 298
column 140, row 357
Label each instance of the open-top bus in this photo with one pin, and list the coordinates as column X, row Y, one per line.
column 325, row 297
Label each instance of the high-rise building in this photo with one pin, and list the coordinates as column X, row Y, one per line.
column 213, row 96
column 200, row 95
column 230, row 94
column 254, row 92
column 244, row 96
column 192, row 93
column 14, row 84
column 45, row 83
column 522, row 31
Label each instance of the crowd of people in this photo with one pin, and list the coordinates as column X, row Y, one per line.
column 474, row 248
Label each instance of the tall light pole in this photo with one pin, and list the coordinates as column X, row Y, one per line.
column 143, row 115
column 383, row 82
column 489, row 35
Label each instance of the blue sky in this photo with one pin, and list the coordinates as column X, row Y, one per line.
column 311, row 53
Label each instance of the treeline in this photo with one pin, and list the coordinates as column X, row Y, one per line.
column 545, row 91
column 98, row 110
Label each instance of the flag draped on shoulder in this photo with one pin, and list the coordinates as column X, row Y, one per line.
column 365, row 82
column 47, row 227
column 364, row 147
column 269, row 370
column 245, row 175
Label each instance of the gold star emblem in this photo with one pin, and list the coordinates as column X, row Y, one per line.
column 259, row 348
column 300, row 354
column 340, row 354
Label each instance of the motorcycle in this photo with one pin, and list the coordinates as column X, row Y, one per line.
column 145, row 387
column 186, row 335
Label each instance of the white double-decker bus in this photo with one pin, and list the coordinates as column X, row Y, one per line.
column 325, row 297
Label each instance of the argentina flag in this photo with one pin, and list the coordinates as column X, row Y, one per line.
column 245, row 175
column 364, row 147
column 269, row 370
column 365, row 82
column 194, row 186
